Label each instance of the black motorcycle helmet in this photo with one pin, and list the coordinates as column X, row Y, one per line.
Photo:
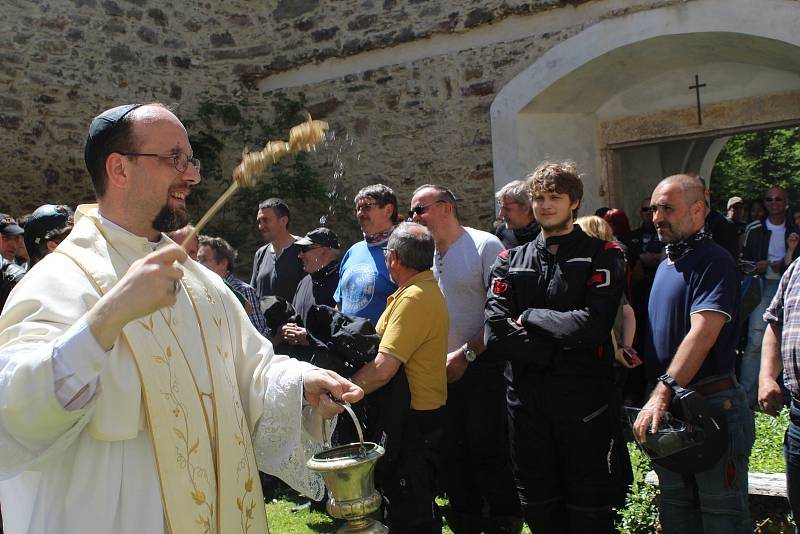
column 691, row 438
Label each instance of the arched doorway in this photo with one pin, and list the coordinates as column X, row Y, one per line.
column 616, row 97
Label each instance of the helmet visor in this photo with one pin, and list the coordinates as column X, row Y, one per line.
column 673, row 435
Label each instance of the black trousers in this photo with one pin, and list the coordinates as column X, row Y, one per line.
column 409, row 489
column 477, row 465
column 570, row 461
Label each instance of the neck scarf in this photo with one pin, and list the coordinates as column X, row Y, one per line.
column 379, row 238
column 676, row 251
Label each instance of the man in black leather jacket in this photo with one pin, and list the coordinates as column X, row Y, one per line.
column 550, row 309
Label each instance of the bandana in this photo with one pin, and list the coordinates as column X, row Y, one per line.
column 378, row 239
column 676, row 251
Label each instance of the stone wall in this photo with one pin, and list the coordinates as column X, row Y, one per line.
column 416, row 121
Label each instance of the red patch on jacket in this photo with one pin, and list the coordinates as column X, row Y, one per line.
column 499, row 287
column 596, row 279
column 611, row 245
column 503, row 253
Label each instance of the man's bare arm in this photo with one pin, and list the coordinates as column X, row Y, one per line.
column 376, row 373
column 692, row 352
column 770, row 397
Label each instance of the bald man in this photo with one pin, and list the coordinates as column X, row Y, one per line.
column 692, row 340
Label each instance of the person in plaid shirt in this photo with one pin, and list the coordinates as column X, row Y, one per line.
column 216, row 254
column 782, row 338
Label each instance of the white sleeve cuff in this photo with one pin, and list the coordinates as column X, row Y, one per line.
column 77, row 361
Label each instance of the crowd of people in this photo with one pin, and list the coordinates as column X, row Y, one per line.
column 142, row 380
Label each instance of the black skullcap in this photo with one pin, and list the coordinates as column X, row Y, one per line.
column 101, row 128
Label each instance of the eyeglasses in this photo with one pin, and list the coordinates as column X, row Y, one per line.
column 387, row 253
column 420, row 209
column 366, row 206
column 647, row 209
column 774, row 199
column 179, row 160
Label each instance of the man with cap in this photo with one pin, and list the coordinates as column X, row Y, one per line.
column 10, row 272
column 691, row 342
column 10, row 237
column 135, row 395
column 217, row 255
column 47, row 226
column 735, row 212
column 319, row 252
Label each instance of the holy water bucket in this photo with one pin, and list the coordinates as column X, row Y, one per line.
column 348, row 471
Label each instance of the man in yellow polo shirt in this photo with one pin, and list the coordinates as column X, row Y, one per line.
column 413, row 331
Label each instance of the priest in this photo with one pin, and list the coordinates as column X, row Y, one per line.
column 135, row 395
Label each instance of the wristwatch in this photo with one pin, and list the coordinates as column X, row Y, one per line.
column 669, row 382
column 469, row 354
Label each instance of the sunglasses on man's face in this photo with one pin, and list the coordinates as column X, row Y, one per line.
column 420, row 209
column 773, row 199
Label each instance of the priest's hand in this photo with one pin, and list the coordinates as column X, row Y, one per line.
column 321, row 387
column 149, row 284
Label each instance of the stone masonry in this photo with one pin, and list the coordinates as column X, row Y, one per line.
column 416, row 121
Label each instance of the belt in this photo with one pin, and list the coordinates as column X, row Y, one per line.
column 709, row 388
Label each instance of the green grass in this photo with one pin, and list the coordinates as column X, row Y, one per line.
column 640, row 514
column 284, row 521
column 767, row 455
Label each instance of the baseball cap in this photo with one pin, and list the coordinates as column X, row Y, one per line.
column 101, row 128
column 8, row 226
column 43, row 220
column 733, row 201
column 319, row 236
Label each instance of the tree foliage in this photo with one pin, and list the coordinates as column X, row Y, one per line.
column 751, row 163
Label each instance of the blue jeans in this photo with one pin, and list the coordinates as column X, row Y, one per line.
column 791, row 453
column 713, row 501
column 751, row 358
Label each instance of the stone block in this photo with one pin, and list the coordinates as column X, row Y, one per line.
column 222, row 39
column 147, row 34
column 158, row 16
column 362, row 22
column 122, row 54
column 478, row 89
column 289, row 9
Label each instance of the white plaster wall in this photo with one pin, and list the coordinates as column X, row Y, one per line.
column 561, row 136
column 772, row 58
column 641, row 171
column 724, row 81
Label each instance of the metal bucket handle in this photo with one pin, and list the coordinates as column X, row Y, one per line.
column 326, row 442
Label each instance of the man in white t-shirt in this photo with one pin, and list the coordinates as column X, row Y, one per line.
column 765, row 244
column 476, row 464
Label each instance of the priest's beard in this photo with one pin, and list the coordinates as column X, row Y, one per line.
column 169, row 219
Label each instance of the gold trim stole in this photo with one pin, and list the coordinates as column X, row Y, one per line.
column 208, row 476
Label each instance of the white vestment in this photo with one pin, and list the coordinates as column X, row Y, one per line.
column 93, row 469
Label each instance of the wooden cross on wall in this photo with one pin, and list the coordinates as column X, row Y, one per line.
column 697, row 85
